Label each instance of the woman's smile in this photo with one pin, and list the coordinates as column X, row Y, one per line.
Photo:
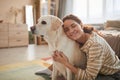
column 74, row 34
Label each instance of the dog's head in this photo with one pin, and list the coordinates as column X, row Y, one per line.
column 46, row 24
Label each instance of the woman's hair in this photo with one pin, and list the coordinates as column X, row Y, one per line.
column 86, row 28
column 72, row 17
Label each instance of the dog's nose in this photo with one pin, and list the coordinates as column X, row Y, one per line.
column 32, row 29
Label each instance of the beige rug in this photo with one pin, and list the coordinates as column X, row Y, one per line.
column 24, row 70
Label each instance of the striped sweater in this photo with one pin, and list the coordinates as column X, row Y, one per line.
column 100, row 59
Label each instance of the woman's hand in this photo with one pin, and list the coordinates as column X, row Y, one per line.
column 60, row 57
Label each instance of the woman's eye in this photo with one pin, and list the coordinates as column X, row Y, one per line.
column 66, row 30
column 73, row 26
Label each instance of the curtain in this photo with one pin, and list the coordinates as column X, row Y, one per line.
column 61, row 8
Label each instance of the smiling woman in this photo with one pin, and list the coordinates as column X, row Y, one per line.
column 96, row 49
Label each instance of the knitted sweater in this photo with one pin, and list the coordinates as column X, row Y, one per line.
column 100, row 59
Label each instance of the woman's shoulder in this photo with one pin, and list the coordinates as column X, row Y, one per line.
column 96, row 37
column 98, row 40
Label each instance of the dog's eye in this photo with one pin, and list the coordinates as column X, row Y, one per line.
column 43, row 22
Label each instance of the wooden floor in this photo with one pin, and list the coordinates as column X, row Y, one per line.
column 22, row 54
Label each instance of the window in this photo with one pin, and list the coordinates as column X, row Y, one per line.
column 29, row 15
column 80, row 8
column 117, row 7
column 96, row 11
column 48, row 7
column 44, row 7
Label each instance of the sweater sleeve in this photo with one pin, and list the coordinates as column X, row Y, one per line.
column 94, row 63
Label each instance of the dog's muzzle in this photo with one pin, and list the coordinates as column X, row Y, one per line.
column 33, row 29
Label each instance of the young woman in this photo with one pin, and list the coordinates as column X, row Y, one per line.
column 102, row 63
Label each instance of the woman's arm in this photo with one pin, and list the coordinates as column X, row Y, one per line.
column 94, row 63
column 71, row 67
column 60, row 57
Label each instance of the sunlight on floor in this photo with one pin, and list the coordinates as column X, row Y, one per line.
column 22, row 54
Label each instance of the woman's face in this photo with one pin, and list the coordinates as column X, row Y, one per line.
column 72, row 29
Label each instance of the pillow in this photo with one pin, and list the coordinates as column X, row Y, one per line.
column 113, row 41
column 98, row 27
column 112, row 28
column 112, row 25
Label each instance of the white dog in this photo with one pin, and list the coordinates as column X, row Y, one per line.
column 51, row 28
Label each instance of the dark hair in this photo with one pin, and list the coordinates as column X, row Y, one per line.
column 86, row 28
column 72, row 17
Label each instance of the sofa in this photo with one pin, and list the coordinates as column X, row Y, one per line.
column 111, row 33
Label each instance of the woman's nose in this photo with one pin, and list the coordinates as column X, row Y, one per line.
column 71, row 30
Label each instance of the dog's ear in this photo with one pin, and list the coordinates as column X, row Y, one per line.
column 56, row 23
